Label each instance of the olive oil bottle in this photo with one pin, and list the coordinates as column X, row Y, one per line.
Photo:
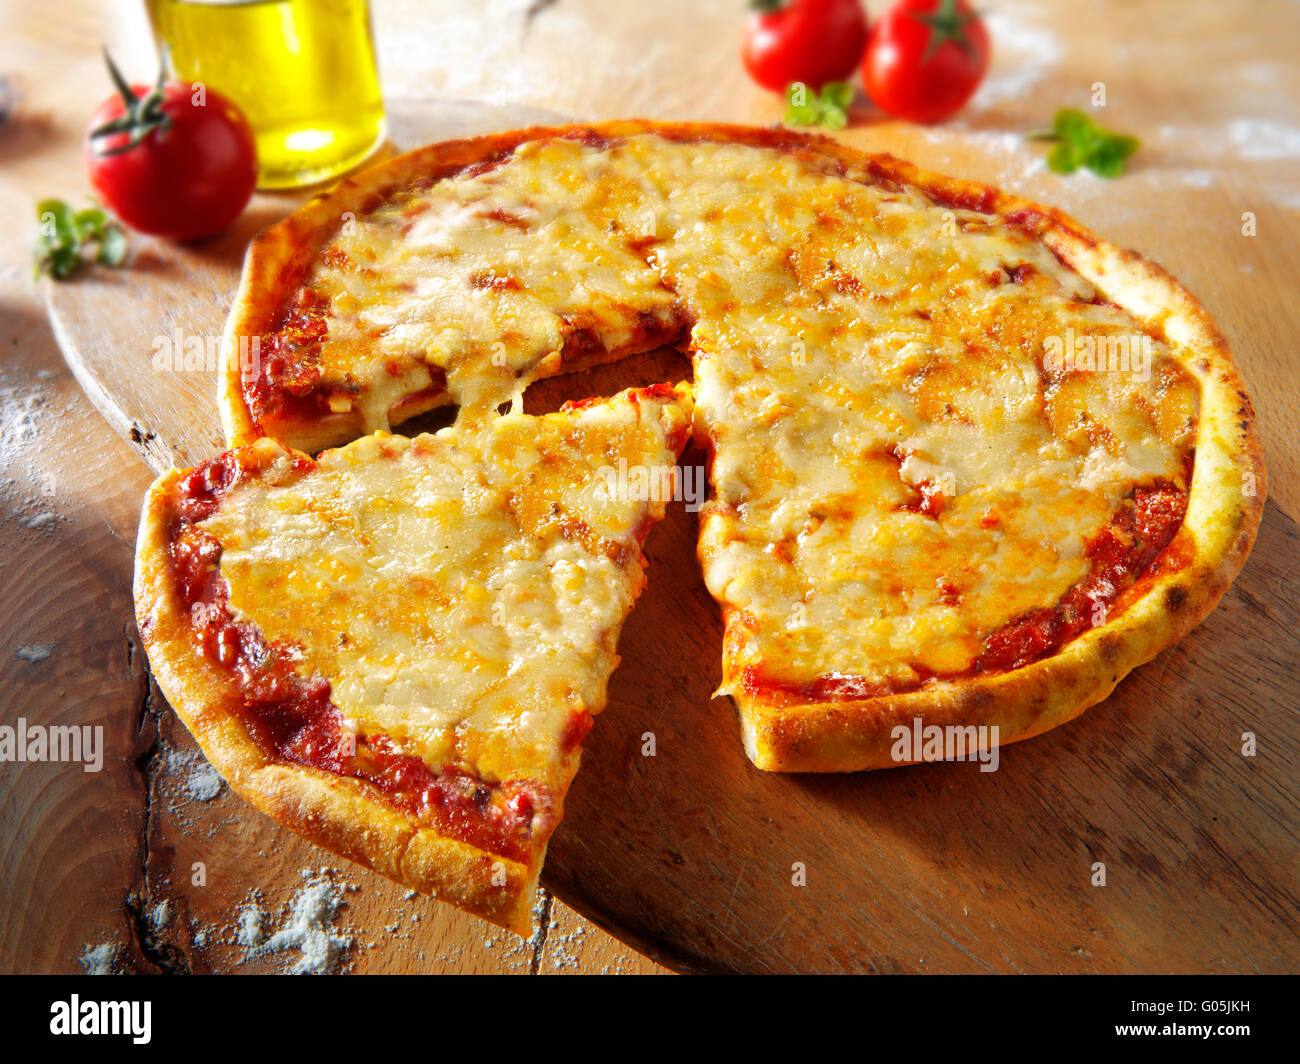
column 303, row 71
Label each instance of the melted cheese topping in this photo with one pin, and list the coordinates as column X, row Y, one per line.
column 486, row 278
column 462, row 592
column 858, row 351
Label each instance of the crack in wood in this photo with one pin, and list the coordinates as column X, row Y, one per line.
column 535, row 962
column 169, row 958
column 166, row 956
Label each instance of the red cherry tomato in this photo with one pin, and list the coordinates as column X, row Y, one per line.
column 193, row 165
column 925, row 59
column 813, row 41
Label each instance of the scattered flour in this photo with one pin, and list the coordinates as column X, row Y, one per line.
column 1265, row 142
column 200, row 780
column 20, row 406
column 1024, row 53
column 248, row 924
column 1017, row 157
column 308, row 929
column 34, row 653
column 204, row 783
column 99, row 960
column 564, row 950
column 1264, row 138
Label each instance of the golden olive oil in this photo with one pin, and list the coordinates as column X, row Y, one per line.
column 303, row 71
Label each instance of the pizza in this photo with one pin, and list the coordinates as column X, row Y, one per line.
column 970, row 464
column 397, row 648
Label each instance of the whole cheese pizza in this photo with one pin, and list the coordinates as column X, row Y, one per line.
column 970, row 463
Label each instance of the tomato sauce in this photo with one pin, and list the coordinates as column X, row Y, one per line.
column 1120, row 553
column 288, row 377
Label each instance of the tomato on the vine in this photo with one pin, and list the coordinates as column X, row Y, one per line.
column 176, row 160
column 811, row 41
column 925, row 59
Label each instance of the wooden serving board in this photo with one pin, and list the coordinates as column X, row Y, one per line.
column 705, row 863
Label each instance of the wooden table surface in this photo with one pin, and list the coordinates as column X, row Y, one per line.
column 101, row 869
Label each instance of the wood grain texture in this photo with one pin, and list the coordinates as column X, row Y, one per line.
column 688, row 854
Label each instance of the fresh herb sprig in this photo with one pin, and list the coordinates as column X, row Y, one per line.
column 67, row 235
column 1080, row 142
column 808, row 107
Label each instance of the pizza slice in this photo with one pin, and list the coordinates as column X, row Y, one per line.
column 448, row 279
column 972, row 468
column 397, row 649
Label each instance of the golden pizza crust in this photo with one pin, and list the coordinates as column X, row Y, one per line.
column 1224, row 508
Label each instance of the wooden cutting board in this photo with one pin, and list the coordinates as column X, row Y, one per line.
column 705, row 863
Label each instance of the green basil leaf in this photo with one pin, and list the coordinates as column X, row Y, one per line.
column 64, row 261
column 89, row 222
column 838, row 93
column 1107, row 165
column 1106, row 157
column 56, row 220
column 801, row 116
column 1061, row 159
column 112, row 247
column 65, row 235
column 1073, row 126
column 1126, row 146
column 834, row 119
